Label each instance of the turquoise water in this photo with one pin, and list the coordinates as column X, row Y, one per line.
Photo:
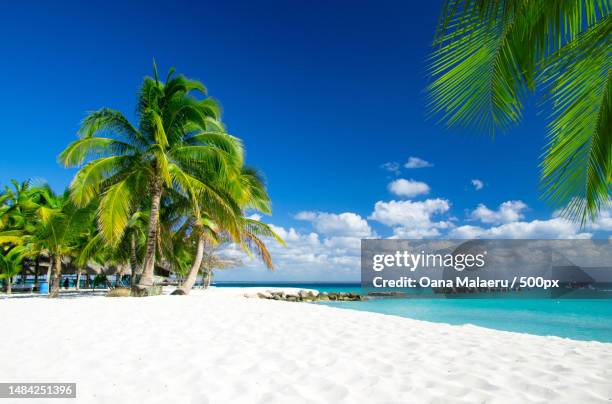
column 576, row 319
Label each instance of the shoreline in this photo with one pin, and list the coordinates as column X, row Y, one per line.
column 461, row 314
column 216, row 346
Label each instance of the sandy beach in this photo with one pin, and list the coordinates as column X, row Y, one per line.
column 220, row 347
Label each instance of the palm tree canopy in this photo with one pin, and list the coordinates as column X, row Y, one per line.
column 488, row 55
column 11, row 261
column 58, row 234
column 178, row 141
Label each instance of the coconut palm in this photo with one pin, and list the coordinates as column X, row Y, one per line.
column 488, row 55
column 19, row 207
column 22, row 207
column 248, row 190
column 11, row 262
column 57, row 234
column 177, row 134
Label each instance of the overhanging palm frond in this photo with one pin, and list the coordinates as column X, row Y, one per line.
column 488, row 54
column 477, row 68
column 577, row 166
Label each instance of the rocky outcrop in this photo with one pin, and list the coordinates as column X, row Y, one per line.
column 388, row 294
column 304, row 295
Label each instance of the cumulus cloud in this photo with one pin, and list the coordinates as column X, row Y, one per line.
column 343, row 224
column 507, row 212
column 478, row 184
column 412, row 219
column 330, row 250
column 408, row 188
column 555, row 228
column 416, row 162
column 603, row 221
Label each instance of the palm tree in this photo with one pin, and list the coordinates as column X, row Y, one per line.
column 10, row 264
column 177, row 134
column 21, row 209
column 248, row 190
column 58, row 234
column 489, row 55
column 213, row 261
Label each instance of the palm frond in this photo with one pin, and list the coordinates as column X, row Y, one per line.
column 477, row 69
column 261, row 229
column 93, row 147
column 111, row 122
column 115, row 209
column 87, row 182
column 577, row 166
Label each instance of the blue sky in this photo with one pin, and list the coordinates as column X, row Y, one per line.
column 322, row 93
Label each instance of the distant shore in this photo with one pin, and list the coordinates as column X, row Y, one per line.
column 216, row 346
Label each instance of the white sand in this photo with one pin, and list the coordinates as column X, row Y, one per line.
column 217, row 347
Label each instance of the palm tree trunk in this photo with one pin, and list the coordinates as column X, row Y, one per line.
column 78, row 280
column 146, row 279
column 36, row 271
column 48, row 279
column 195, row 267
column 57, row 277
column 209, row 275
column 133, row 261
column 9, row 286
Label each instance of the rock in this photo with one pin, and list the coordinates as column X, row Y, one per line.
column 323, row 297
column 293, row 293
column 178, row 292
column 119, row 292
column 388, row 294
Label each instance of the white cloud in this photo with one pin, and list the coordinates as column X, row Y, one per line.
column 556, row 228
column 412, row 219
column 343, row 224
column 255, row 216
column 331, row 250
column 408, row 188
column 306, row 256
column 306, row 215
column 603, row 221
column 478, row 184
column 507, row 212
column 416, row 162
column 286, row 234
